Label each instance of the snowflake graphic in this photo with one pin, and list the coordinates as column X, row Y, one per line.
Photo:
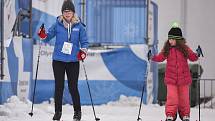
column 130, row 30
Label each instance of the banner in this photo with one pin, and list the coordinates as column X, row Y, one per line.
column 9, row 18
column 111, row 73
column 18, row 69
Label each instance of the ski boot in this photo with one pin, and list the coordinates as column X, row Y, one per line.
column 186, row 118
column 169, row 118
column 57, row 116
column 77, row 116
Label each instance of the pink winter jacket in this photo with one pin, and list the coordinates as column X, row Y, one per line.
column 177, row 70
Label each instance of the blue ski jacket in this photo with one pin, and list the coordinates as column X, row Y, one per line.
column 78, row 38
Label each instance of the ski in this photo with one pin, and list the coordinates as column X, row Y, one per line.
column 76, row 120
column 72, row 120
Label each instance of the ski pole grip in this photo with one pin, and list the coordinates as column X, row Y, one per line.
column 149, row 54
column 42, row 26
column 200, row 51
column 42, row 32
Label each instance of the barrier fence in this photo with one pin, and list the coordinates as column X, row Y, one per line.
column 207, row 92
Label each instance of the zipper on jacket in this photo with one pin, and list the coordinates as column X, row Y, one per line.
column 176, row 64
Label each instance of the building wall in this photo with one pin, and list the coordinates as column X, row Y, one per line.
column 197, row 21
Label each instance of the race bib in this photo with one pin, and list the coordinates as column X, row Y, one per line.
column 67, row 48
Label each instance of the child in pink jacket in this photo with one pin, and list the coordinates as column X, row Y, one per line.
column 177, row 74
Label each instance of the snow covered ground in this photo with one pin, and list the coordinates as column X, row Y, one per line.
column 125, row 109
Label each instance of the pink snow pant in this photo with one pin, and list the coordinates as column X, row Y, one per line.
column 177, row 100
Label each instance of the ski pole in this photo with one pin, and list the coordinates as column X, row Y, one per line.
column 198, row 81
column 35, row 81
column 138, row 117
column 96, row 118
column 199, row 51
column 149, row 54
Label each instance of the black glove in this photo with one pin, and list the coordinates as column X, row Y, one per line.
column 149, row 55
column 199, row 51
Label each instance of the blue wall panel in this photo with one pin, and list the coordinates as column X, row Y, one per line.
column 116, row 21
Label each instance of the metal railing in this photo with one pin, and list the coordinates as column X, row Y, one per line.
column 207, row 92
column 211, row 83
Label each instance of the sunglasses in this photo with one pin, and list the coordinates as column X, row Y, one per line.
column 67, row 11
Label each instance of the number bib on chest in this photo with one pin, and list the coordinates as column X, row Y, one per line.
column 67, row 48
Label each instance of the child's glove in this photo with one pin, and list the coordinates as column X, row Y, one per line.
column 82, row 54
column 42, row 32
column 149, row 55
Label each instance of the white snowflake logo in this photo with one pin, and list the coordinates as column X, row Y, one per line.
column 130, row 30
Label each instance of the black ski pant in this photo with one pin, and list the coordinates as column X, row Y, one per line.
column 72, row 71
